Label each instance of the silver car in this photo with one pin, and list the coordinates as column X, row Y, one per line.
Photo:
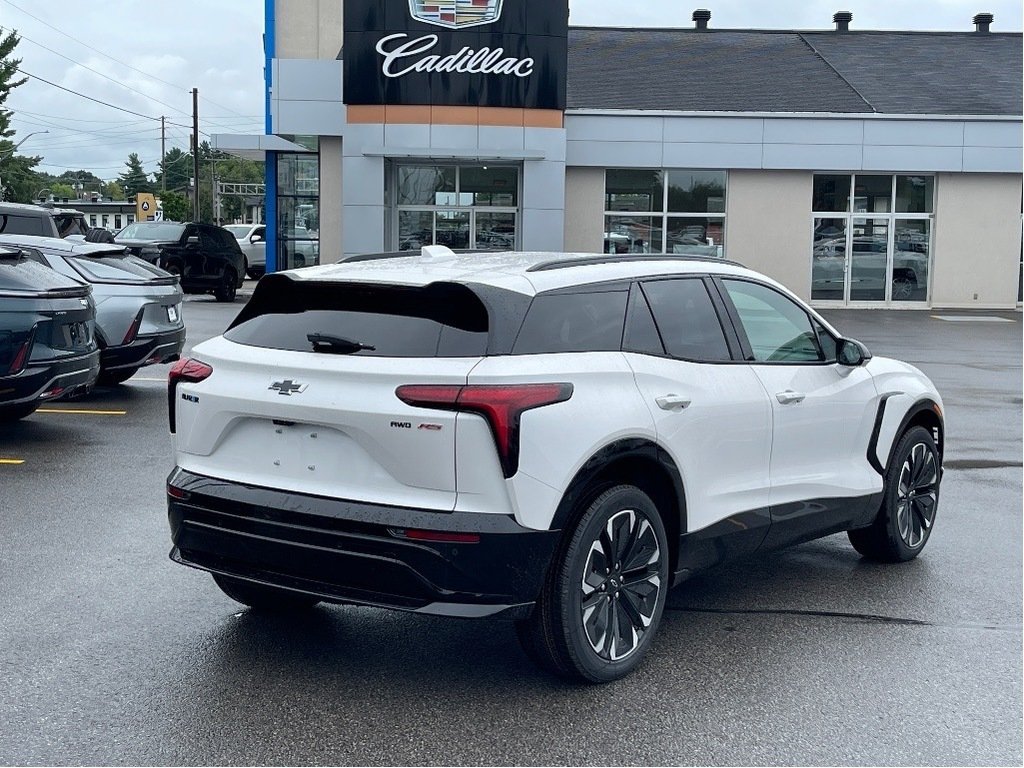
column 138, row 305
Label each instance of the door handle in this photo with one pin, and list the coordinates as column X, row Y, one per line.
column 672, row 403
column 789, row 397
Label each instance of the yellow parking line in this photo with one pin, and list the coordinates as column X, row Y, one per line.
column 82, row 412
column 11, row 462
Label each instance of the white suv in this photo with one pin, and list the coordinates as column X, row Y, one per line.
column 556, row 439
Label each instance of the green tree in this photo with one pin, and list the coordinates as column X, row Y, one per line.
column 113, row 190
column 135, row 179
column 177, row 167
column 61, row 191
column 17, row 175
column 176, row 207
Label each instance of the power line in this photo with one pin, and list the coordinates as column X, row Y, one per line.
column 107, row 55
column 90, row 98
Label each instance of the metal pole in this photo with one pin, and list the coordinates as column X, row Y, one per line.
column 195, row 151
column 163, row 153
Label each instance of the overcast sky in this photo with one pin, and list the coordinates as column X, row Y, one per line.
column 216, row 46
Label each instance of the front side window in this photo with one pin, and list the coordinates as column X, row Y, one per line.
column 687, row 320
column 665, row 211
column 778, row 329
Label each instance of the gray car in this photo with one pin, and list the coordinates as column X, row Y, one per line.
column 138, row 305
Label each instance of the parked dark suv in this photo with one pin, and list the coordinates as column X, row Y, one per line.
column 206, row 258
column 18, row 219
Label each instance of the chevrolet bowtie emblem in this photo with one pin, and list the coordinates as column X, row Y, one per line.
column 288, row 388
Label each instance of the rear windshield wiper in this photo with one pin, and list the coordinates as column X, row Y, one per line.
column 337, row 345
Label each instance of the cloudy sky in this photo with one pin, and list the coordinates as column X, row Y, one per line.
column 145, row 58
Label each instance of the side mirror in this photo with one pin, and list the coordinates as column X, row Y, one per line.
column 193, row 240
column 256, row 239
column 852, row 353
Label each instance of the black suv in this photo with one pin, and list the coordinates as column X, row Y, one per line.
column 48, row 345
column 208, row 259
column 18, row 219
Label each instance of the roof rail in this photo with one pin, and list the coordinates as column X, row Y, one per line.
column 548, row 266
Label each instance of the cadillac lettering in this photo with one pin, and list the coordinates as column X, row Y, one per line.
column 398, row 60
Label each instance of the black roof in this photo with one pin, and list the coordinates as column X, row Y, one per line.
column 933, row 73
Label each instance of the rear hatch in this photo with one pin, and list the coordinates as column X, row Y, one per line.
column 50, row 312
column 120, row 274
column 302, row 394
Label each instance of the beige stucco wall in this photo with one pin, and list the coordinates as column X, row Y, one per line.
column 308, row 29
column 977, row 240
column 584, row 210
column 768, row 225
column 331, row 163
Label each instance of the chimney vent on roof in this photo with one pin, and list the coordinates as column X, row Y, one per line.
column 983, row 21
column 701, row 17
column 842, row 20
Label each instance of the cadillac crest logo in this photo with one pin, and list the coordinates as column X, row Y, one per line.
column 456, row 14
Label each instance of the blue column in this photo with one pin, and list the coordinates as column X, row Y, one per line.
column 269, row 49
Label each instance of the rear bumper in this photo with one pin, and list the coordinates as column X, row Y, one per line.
column 51, row 379
column 350, row 552
column 145, row 350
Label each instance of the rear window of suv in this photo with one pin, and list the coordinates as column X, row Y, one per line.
column 440, row 320
column 573, row 322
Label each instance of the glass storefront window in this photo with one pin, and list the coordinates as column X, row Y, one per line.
column 911, row 260
column 426, row 185
column 831, row 193
column 696, row 191
column 914, row 194
column 872, row 194
column 828, row 263
column 669, row 212
column 463, row 207
column 298, row 211
column 633, row 190
column 868, row 259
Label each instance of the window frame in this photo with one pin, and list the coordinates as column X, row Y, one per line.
column 814, row 321
column 665, row 215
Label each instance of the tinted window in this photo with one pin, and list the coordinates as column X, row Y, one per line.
column 687, row 319
column 437, row 321
column 115, row 266
column 641, row 332
column 24, row 275
column 827, row 342
column 779, row 330
column 11, row 224
column 573, row 322
column 146, row 230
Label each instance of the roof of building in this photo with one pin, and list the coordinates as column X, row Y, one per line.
column 926, row 73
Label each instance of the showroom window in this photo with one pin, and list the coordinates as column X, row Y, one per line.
column 872, row 238
column 667, row 211
column 468, row 207
column 298, row 210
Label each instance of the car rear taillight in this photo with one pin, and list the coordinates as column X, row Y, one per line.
column 21, row 356
column 187, row 370
column 133, row 329
column 501, row 405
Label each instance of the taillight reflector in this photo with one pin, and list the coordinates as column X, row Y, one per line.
column 439, row 537
column 502, row 406
column 184, row 370
column 133, row 329
column 21, row 357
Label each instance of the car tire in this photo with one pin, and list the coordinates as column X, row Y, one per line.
column 11, row 413
column 605, row 594
column 228, row 287
column 263, row 598
column 173, row 267
column 910, row 502
column 113, row 378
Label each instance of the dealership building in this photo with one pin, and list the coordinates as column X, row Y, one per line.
column 860, row 168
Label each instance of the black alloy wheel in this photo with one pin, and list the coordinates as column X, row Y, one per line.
column 911, row 500
column 228, row 287
column 603, row 600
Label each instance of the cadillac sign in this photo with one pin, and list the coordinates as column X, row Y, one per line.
column 490, row 53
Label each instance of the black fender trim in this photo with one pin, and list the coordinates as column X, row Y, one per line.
column 628, row 448
column 925, row 404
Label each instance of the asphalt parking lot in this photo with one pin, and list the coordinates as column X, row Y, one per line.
column 111, row 654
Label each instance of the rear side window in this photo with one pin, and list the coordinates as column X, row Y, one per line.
column 687, row 320
column 11, row 224
column 573, row 322
column 115, row 266
column 441, row 320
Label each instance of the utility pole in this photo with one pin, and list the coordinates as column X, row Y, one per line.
column 163, row 153
column 195, row 151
